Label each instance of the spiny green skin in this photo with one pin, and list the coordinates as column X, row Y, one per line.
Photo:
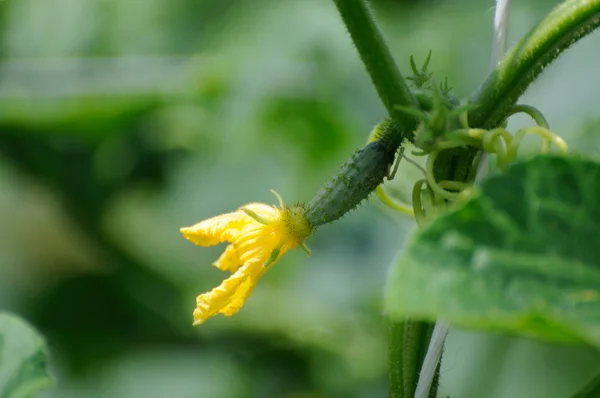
column 355, row 180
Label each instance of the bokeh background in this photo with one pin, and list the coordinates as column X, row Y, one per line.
column 123, row 120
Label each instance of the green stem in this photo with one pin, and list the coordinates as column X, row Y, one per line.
column 565, row 25
column 435, row 384
column 407, row 346
column 416, row 340
column 395, row 353
column 376, row 56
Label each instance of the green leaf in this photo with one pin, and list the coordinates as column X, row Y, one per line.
column 522, row 255
column 590, row 390
column 23, row 356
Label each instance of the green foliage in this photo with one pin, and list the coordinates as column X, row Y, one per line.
column 590, row 390
column 520, row 256
column 301, row 123
column 23, row 356
column 128, row 122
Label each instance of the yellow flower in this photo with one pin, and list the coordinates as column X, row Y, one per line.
column 259, row 235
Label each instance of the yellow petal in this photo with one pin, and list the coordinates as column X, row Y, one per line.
column 216, row 229
column 258, row 237
column 226, row 226
column 249, row 242
column 242, row 293
column 229, row 260
column 253, row 250
column 255, row 240
column 211, row 303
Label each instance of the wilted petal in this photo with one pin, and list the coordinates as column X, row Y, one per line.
column 217, row 229
column 211, row 303
column 229, row 260
column 259, row 235
column 255, row 263
column 242, row 293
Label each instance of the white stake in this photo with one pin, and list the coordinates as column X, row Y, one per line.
column 438, row 337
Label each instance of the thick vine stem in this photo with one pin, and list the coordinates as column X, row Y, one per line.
column 376, row 56
column 407, row 347
column 565, row 25
column 395, row 354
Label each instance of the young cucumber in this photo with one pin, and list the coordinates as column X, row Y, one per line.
column 357, row 178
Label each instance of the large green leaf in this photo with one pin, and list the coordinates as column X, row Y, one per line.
column 23, row 356
column 590, row 390
column 522, row 255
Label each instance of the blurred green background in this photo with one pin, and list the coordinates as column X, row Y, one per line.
column 123, row 120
